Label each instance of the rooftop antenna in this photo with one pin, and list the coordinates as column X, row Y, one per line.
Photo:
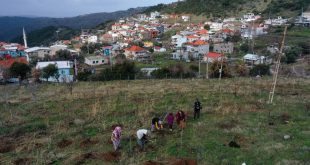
column 25, row 38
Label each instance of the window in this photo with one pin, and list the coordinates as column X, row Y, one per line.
column 102, row 61
column 93, row 62
column 96, row 62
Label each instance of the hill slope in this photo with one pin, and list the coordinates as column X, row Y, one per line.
column 11, row 27
column 47, row 35
column 46, row 125
column 224, row 8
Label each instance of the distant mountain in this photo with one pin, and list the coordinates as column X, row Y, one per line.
column 11, row 27
column 47, row 35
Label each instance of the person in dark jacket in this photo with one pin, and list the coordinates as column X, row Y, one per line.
column 197, row 108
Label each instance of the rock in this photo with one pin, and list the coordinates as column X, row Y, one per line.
column 78, row 122
column 286, row 137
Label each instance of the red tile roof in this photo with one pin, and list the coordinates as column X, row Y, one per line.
column 201, row 32
column 9, row 62
column 191, row 36
column 198, row 43
column 135, row 49
column 214, row 55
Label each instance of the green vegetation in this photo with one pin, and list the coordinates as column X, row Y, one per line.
column 50, row 71
column 47, row 35
column 76, row 128
column 19, row 70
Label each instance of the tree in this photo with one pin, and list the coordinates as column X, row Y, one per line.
column 245, row 47
column 261, row 69
column 49, row 71
column 207, row 27
column 292, row 54
column 63, row 55
column 20, row 70
column 215, row 69
column 36, row 73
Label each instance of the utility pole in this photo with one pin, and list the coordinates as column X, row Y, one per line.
column 278, row 62
column 221, row 69
column 207, row 68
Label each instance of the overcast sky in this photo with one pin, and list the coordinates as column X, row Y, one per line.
column 68, row 8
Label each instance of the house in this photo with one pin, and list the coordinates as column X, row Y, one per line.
column 223, row 47
column 148, row 71
column 192, row 38
column 180, row 55
column 55, row 48
column 154, row 15
column 185, row 18
column 273, row 49
column 254, row 59
column 159, row 49
column 92, row 39
column 197, row 48
column 96, row 60
column 38, row 52
column 213, row 56
column 178, row 40
column 136, row 53
column 65, row 70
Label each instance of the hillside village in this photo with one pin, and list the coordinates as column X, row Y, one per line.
column 143, row 38
column 161, row 88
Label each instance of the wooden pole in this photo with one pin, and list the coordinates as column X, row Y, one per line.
column 275, row 77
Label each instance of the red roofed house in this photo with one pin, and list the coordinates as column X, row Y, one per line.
column 213, row 56
column 192, row 38
column 197, row 48
column 136, row 53
column 6, row 64
column 203, row 33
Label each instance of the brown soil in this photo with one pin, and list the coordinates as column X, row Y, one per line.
column 23, row 161
column 183, row 162
column 152, row 163
column 228, row 125
column 6, row 145
column 111, row 156
column 64, row 143
column 87, row 142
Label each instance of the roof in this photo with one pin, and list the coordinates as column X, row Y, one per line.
column 9, row 62
column 253, row 57
column 60, row 64
column 135, row 49
column 214, row 55
column 191, row 36
column 33, row 49
column 201, row 32
column 95, row 58
column 198, row 43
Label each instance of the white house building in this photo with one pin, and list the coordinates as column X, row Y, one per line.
column 96, row 60
column 65, row 70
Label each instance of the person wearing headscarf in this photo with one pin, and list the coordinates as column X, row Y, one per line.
column 116, row 137
column 156, row 124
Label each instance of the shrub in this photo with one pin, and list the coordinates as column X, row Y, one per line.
column 261, row 69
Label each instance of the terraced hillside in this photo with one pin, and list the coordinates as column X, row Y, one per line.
column 46, row 124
